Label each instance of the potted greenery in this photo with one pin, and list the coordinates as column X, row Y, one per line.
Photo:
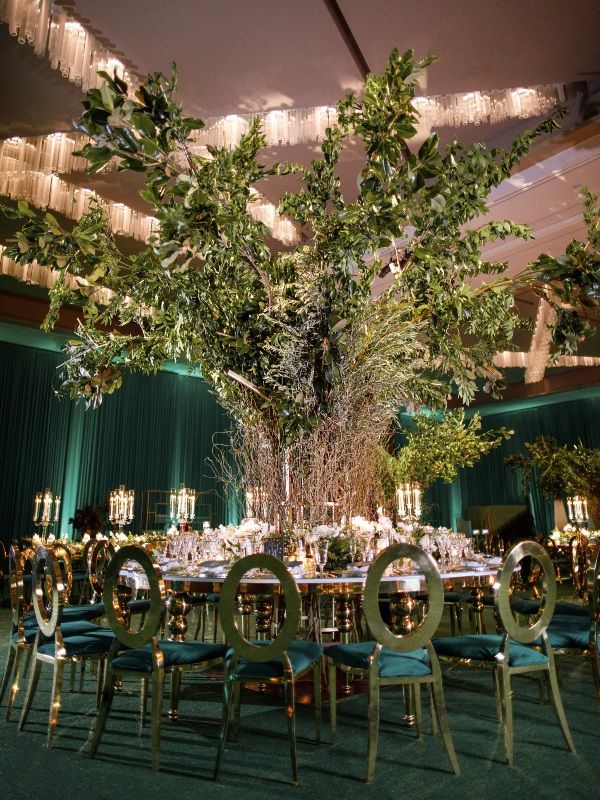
column 561, row 471
column 436, row 448
column 89, row 519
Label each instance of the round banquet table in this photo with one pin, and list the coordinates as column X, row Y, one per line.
column 260, row 593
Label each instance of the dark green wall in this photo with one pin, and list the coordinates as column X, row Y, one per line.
column 154, row 433
column 569, row 416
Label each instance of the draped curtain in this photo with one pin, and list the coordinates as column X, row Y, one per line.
column 154, row 433
column 158, row 431
column 492, row 482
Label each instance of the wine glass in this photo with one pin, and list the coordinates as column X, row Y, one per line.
column 320, row 553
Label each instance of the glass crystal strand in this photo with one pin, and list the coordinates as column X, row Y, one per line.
column 31, row 16
column 42, row 28
column 57, row 33
column 15, row 16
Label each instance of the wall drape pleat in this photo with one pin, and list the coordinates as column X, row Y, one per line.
column 492, row 482
column 154, row 433
column 159, row 431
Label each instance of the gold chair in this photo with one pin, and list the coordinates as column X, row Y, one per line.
column 576, row 634
column 20, row 641
column 406, row 660
column 281, row 661
column 510, row 653
column 53, row 644
column 142, row 654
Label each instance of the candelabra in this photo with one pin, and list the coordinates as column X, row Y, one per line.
column 120, row 507
column 409, row 501
column 577, row 510
column 46, row 508
column 183, row 505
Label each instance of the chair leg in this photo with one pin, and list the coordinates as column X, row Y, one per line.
column 237, row 704
column 100, row 681
column 143, row 701
column 215, row 622
column 373, row 693
column 332, row 677
column 108, row 692
column 227, row 703
column 10, row 660
column 175, row 692
column 558, row 707
column 158, row 689
column 81, row 674
column 593, row 656
column 440, row 711
column 418, row 709
column 14, row 689
column 27, row 662
column 59, row 669
column 507, row 715
column 199, row 623
column 432, row 713
column 318, row 698
column 290, row 706
column 73, row 672
column 31, row 689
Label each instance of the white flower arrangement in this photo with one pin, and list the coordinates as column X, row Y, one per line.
column 325, row 531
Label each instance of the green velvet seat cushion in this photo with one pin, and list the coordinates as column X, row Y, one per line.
column 528, row 607
column 86, row 644
column 67, row 629
column 72, row 614
column 485, row 647
column 461, row 596
column 139, row 606
column 302, row 655
column 568, row 632
column 391, row 663
column 176, row 654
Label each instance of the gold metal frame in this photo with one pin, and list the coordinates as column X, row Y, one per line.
column 243, row 648
column 100, row 549
column 400, row 643
column 119, row 618
column 18, row 648
column 47, row 575
column 522, row 634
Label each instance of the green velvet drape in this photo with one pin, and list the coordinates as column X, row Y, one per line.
column 154, row 433
column 569, row 417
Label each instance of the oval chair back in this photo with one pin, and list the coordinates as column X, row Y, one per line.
column 48, row 592
column 404, row 643
column 579, row 550
column 595, row 608
column 234, row 637
column 280, row 661
column 118, row 617
column 17, row 643
column 65, row 560
column 17, row 559
column 525, row 634
column 99, row 556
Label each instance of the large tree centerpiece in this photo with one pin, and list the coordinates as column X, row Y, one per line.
column 311, row 364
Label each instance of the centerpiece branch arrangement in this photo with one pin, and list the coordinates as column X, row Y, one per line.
column 311, row 364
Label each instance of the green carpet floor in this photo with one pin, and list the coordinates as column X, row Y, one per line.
column 257, row 766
